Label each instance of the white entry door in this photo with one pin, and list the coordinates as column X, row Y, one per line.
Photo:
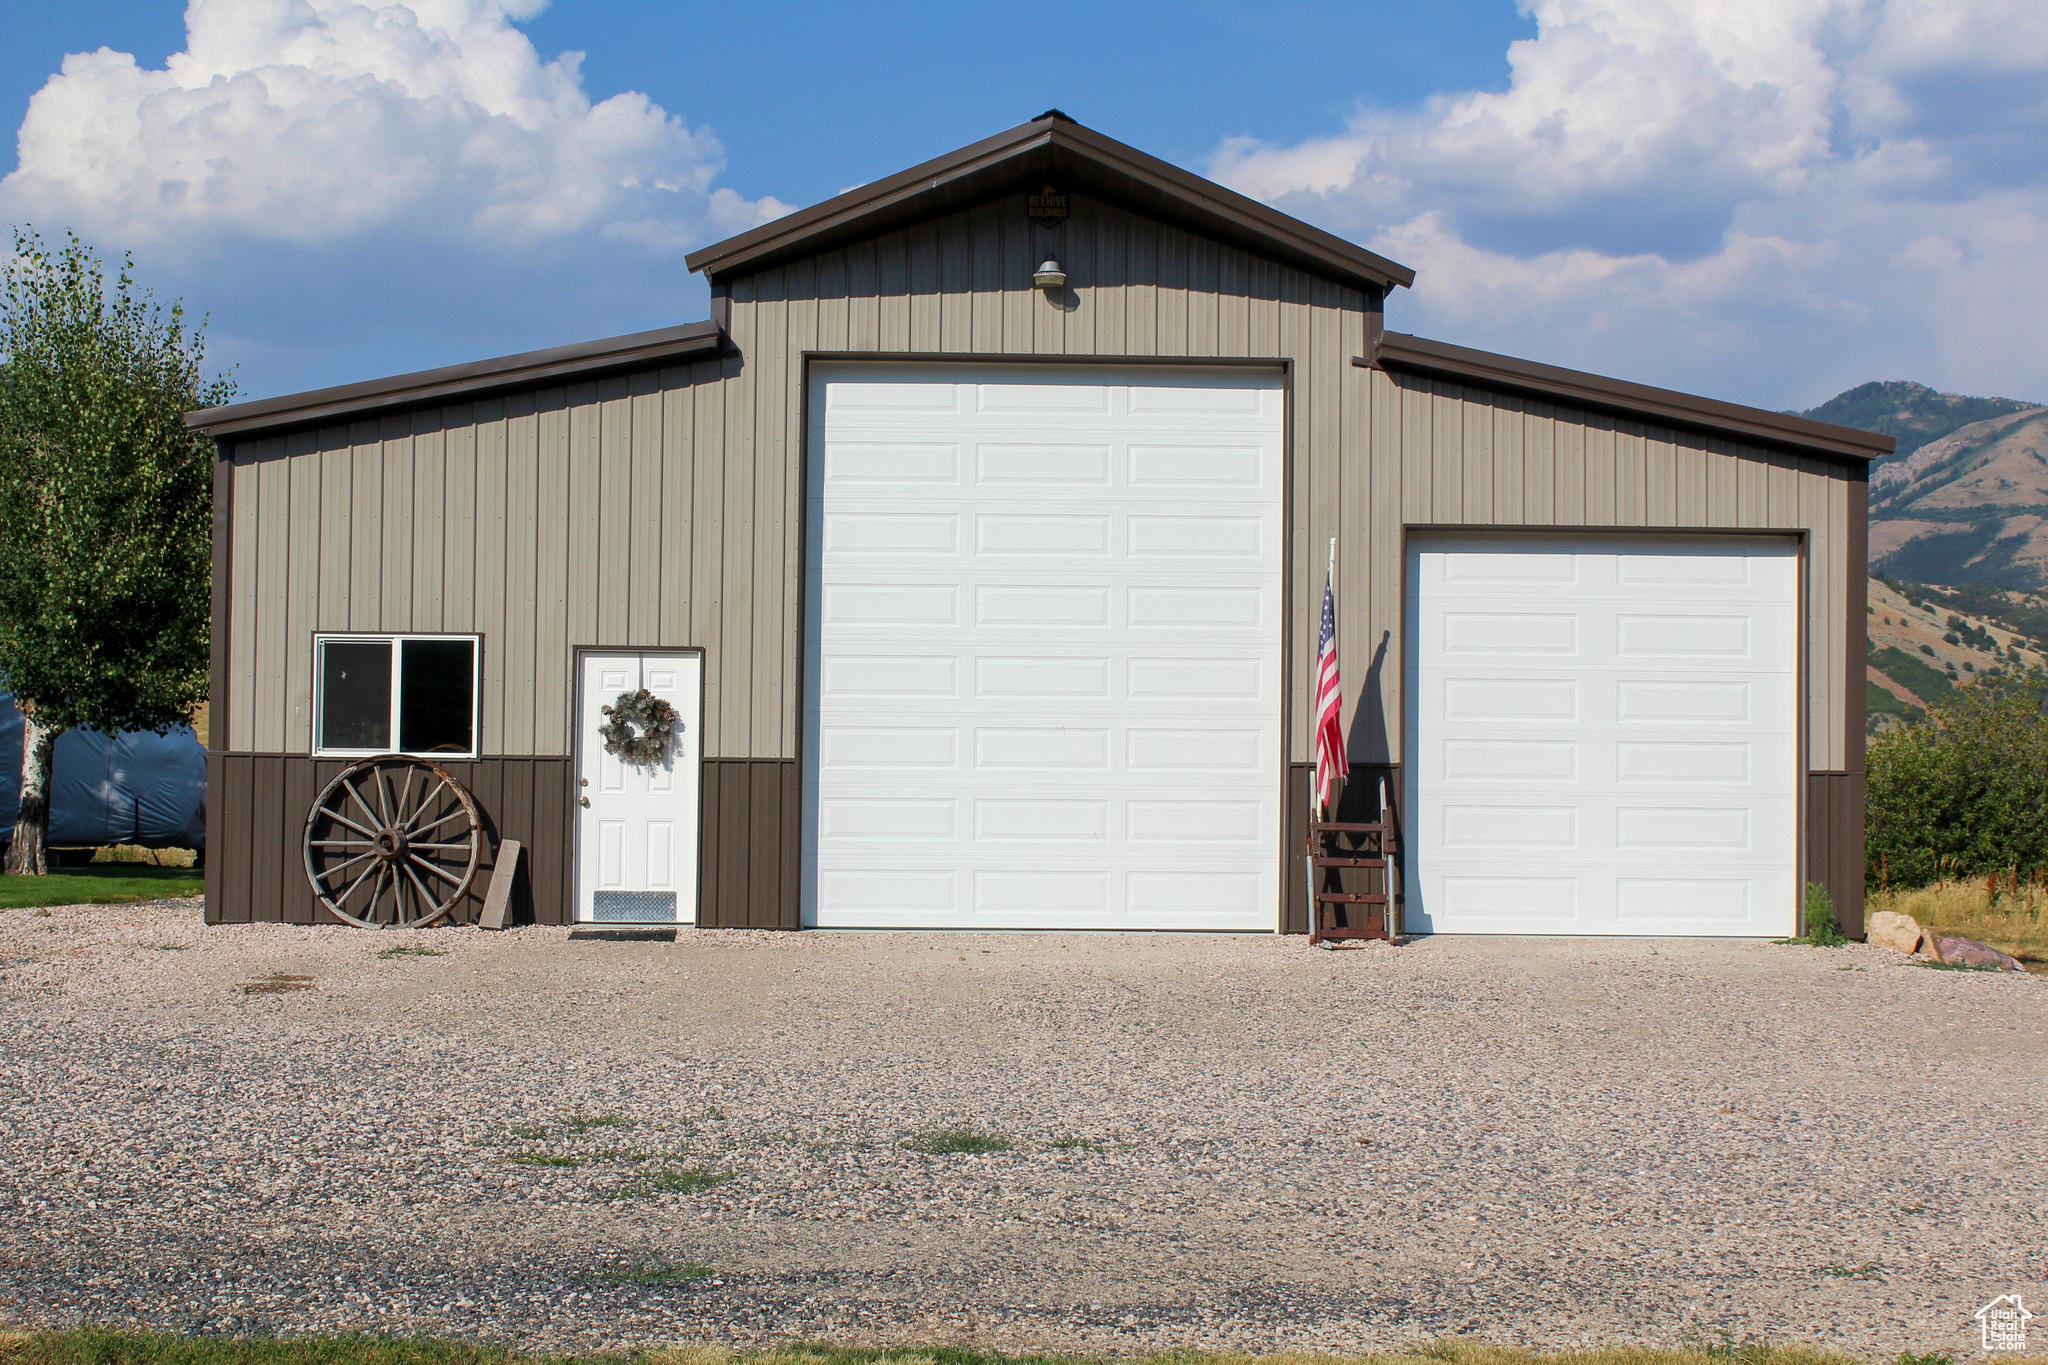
column 1603, row 735
column 1043, row 651
column 636, row 823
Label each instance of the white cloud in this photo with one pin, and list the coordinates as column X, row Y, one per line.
column 1764, row 199
column 357, row 187
column 313, row 121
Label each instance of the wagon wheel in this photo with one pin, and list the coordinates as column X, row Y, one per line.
column 392, row 843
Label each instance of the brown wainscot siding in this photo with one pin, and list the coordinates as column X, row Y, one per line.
column 258, row 805
column 752, row 822
column 1834, row 843
column 752, row 836
column 1357, row 801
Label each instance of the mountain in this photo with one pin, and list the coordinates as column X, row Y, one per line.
column 1971, row 507
column 1913, row 413
column 1926, row 641
column 1965, row 500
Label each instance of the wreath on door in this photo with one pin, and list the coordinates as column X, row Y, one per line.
column 639, row 728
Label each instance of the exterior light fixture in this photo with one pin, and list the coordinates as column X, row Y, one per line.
column 1050, row 276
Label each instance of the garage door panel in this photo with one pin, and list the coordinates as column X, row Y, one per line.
column 1033, row 896
column 876, row 464
column 1059, row 535
column 1609, row 710
column 1045, row 634
column 1603, row 738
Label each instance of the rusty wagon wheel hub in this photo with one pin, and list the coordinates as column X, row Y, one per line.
column 392, row 843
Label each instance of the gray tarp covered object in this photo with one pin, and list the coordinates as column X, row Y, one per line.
column 135, row 788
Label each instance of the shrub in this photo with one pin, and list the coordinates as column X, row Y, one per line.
column 1962, row 793
column 1819, row 920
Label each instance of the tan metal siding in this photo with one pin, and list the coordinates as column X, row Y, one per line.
column 1136, row 288
column 665, row 508
column 1471, row 457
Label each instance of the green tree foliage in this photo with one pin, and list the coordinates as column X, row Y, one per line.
column 1963, row 793
column 105, row 508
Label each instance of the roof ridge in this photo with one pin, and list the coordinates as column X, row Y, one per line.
column 1053, row 146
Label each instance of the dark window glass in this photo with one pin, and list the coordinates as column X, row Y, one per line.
column 355, row 694
column 434, row 696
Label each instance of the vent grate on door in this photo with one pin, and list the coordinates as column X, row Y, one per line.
column 633, row 907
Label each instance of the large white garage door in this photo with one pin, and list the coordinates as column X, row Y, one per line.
column 1043, row 665
column 1604, row 735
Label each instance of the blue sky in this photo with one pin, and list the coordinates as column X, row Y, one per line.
column 1762, row 203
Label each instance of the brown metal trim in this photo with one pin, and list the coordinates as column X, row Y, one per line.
column 806, row 860
column 1289, row 847
column 1802, row 796
column 1055, row 146
column 574, row 740
column 582, row 361
column 1207, row 362
column 217, row 658
column 1434, row 528
column 1857, row 646
column 1402, row 351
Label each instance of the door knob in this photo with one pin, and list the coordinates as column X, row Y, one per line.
column 583, row 801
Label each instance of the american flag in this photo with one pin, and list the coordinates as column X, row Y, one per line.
column 1330, row 761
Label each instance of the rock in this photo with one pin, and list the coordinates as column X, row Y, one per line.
column 1889, row 929
column 1970, row 953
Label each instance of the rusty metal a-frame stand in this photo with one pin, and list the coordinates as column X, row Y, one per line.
column 1370, row 845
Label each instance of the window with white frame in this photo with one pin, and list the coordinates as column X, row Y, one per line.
column 407, row 694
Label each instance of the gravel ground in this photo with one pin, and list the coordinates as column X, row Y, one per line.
column 1219, row 1141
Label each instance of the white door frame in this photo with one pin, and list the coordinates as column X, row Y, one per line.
column 1801, row 541
column 812, row 453
column 693, row 733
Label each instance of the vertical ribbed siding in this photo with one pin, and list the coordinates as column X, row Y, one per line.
column 1472, row 457
column 541, row 521
column 664, row 508
column 962, row 285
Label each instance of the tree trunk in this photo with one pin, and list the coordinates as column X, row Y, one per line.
column 32, row 826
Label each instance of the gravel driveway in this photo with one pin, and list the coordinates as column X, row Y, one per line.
column 1219, row 1141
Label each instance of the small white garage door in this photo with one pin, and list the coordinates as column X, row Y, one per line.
column 1043, row 653
column 1604, row 735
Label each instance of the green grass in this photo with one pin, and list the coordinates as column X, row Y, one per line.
column 545, row 1159
column 1953, row 967
column 689, row 1180
column 657, row 1274
column 1069, row 1144
column 100, row 884
column 410, row 950
column 955, row 1142
column 583, row 1124
column 96, row 1346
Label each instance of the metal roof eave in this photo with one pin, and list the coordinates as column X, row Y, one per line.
column 477, row 378
column 1398, row 350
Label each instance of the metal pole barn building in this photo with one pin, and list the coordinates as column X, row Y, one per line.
column 977, row 544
